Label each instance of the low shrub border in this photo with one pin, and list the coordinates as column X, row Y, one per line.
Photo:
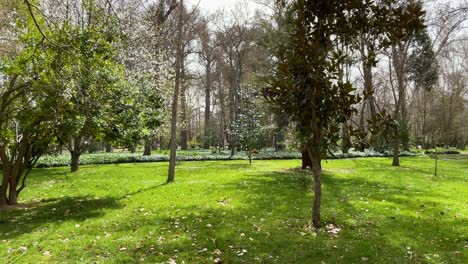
column 49, row 161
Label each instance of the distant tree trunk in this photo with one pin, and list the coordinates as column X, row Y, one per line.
column 399, row 55
column 161, row 142
column 222, row 119
column 462, row 145
column 232, row 114
column 175, row 99
column 132, row 148
column 345, row 138
column 367, row 63
column 396, row 148
column 206, row 143
column 400, row 104
column 183, row 111
column 108, row 147
column 362, row 116
column 148, row 145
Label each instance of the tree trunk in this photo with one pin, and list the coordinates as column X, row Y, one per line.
column 306, row 159
column 206, row 143
column 179, row 58
column 6, row 170
column 147, row 150
column 75, row 151
column 313, row 150
column 222, row 118
column 183, row 110
column 108, row 148
column 13, row 195
column 396, row 148
column 399, row 55
column 317, row 193
column 75, row 160
column 345, row 138
column 367, row 58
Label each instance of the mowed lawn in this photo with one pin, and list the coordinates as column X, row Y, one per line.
column 234, row 212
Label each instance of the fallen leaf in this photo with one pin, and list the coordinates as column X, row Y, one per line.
column 23, row 248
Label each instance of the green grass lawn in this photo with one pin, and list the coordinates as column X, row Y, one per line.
column 241, row 213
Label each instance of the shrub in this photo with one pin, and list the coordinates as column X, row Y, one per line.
column 193, row 155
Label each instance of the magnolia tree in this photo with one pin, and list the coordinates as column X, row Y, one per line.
column 306, row 82
column 249, row 128
column 28, row 106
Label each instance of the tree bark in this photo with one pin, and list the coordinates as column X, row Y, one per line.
column 206, row 143
column 75, row 160
column 75, row 149
column 6, row 171
column 108, row 148
column 132, row 148
column 175, row 99
column 314, row 149
column 12, row 195
column 183, row 111
column 396, row 148
column 148, row 144
column 345, row 138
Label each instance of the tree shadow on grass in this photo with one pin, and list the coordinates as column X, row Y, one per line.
column 32, row 216
column 271, row 225
column 415, row 219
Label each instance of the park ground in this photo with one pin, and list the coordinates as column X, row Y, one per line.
column 234, row 212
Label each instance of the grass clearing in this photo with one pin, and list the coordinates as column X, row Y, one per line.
column 241, row 213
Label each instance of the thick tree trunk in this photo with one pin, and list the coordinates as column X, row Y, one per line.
column 175, row 99
column 6, row 171
column 147, row 150
column 75, row 160
column 5, row 181
column 13, row 195
column 76, row 148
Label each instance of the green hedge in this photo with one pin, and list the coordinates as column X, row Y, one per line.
column 48, row 161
